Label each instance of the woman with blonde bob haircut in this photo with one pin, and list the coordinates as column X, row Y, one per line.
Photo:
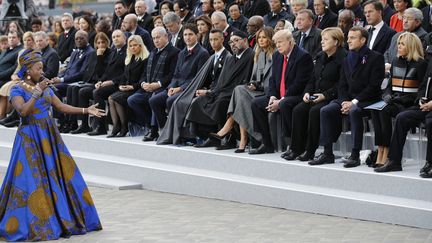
column 135, row 64
column 407, row 72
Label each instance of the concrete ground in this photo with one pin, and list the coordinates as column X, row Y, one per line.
column 148, row 216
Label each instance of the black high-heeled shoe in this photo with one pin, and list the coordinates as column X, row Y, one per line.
column 114, row 132
column 123, row 133
column 215, row 135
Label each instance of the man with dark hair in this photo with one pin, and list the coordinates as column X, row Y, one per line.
column 158, row 74
column 277, row 13
column 120, row 11
column 190, row 59
column 176, row 130
column 292, row 69
column 359, row 86
column 387, row 12
column 36, row 25
column 355, row 6
column 380, row 34
column 66, row 41
column 237, row 19
column 307, row 36
column 181, row 8
column 209, row 111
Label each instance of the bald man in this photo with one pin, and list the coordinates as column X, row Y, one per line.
column 131, row 27
column 145, row 20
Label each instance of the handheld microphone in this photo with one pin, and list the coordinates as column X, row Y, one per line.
column 52, row 86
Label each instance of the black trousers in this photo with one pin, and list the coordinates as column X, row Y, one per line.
column 160, row 105
column 100, row 96
column 404, row 122
column 331, row 124
column 306, row 127
column 139, row 104
column 382, row 122
column 260, row 116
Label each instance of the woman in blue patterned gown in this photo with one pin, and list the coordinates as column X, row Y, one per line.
column 43, row 196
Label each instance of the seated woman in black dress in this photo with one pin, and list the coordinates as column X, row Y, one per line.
column 407, row 72
column 321, row 89
column 94, row 72
column 239, row 109
column 135, row 62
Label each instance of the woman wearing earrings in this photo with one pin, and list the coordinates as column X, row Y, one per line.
column 43, row 196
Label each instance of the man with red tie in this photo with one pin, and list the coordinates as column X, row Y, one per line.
column 292, row 69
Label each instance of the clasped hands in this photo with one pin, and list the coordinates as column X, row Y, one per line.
column 273, row 105
column 346, row 106
column 426, row 106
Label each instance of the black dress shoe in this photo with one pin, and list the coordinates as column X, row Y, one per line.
column 262, row 150
column 290, row 155
column 66, row 129
column 227, row 145
column 151, row 135
column 13, row 123
column 215, row 135
column 351, row 161
column 239, row 150
column 81, row 129
column 209, row 142
column 123, row 132
column 98, row 131
column 12, row 117
column 323, row 159
column 427, row 167
column 389, row 165
column 426, row 171
column 306, row 156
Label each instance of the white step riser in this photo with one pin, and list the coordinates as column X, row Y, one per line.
column 289, row 199
column 296, row 172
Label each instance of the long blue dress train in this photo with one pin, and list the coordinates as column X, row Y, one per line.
column 43, row 196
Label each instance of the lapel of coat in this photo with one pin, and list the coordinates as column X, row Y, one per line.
column 380, row 35
column 291, row 61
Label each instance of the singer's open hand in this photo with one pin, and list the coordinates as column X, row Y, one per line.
column 93, row 110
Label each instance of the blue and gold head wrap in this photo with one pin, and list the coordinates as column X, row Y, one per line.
column 27, row 59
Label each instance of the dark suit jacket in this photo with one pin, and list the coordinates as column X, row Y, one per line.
column 133, row 72
column 256, row 7
column 66, row 44
column 146, row 22
column 116, row 64
column 50, row 60
column 364, row 83
column 426, row 24
column 168, row 66
column 271, row 19
column 383, row 39
column 387, row 13
column 188, row 64
column 145, row 36
column 227, row 36
column 97, row 67
column 329, row 19
column 312, row 42
column 297, row 73
column 9, row 63
column 180, row 44
column 116, row 21
column 240, row 23
column 78, row 64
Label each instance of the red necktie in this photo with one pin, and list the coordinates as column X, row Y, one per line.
column 282, row 82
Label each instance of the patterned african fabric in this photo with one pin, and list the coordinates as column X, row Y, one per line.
column 43, row 196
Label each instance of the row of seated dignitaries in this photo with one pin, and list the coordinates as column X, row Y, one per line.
column 186, row 96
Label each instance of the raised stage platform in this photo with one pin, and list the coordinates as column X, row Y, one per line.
column 128, row 163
